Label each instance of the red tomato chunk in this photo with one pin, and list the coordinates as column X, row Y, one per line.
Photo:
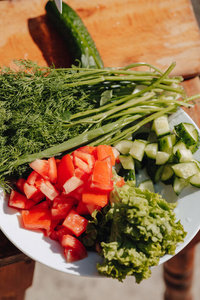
column 76, row 223
column 59, row 195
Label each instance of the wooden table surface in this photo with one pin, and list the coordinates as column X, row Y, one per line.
column 154, row 31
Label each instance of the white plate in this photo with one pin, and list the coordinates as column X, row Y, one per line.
column 49, row 252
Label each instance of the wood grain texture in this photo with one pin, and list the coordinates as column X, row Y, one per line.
column 127, row 31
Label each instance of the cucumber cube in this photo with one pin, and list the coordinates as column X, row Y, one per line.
column 137, row 149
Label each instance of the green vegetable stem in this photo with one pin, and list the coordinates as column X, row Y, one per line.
column 47, row 111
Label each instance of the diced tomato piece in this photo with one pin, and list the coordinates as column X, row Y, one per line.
column 52, row 170
column 86, row 157
column 41, row 166
column 76, row 223
column 42, row 205
column 33, row 177
column 30, row 204
column 72, row 184
column 81, row 174
column 77, row 194
column 92, row 207
column 88, row 149
column 79, row 163
column 61, row 206
column 32, row 192
column 60, row 231
column 74, row 249
column 96, row 186
column 17, row 200
column 36, row 218
column 47, row 188
column 82, row 209
column 65, row 170
column 50, row 231
column 63, row 199
column 102, row 172
column 104, row 151
column 20, row 184
column 95, row 198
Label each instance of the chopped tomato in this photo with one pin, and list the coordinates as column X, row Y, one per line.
column 92, row 207
column 61, row 206
column 86, row 157
column 76, row 223
column 50, row 231
column 72, row 184
column 36, row 218
column 32, row 192
column 88, row 149
column 74, row 249
column 81, row 164
column 30, row 204
column 20, row 184
column 96, row 186
column 47, row 188
column 17, row 200
column 102, row 172
column 95, row 198
column 81, row 208
column 52, row 170
column 33, row 177
column 41, row 166
column 60, row 231
column 42, row 205
column 65, row 170
column 59, row 195
column 81, row 174
column 104, row 151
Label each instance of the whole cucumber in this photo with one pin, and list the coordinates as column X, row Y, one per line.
column 81, row 45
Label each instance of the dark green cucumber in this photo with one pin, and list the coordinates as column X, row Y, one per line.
column 81, row 45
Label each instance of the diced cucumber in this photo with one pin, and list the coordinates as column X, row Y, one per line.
column 147, row 185
column 137, row 149
column 195, row 180
column 127, row 162
column 179, row 184
column 167, row 142
column 168, row 174
column 187, row 133
column 162, row 158
column 178, row 146
column 184, row 155
column 151, row 150
column 152, row 137
column 195, row 147
column 124, row 146
column 161, row 126
column 186, row 169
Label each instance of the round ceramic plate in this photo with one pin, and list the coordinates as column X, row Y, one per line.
column 50, row 253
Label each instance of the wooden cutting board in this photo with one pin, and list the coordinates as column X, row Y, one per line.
column 127, row 31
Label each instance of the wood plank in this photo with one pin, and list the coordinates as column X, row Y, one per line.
column 127, row 31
